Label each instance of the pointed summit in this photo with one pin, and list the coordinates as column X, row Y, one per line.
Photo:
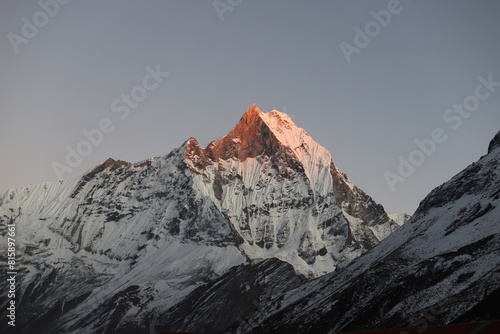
column 252, row 115
column 269, row 134
column 249, row 138
column 273, row 119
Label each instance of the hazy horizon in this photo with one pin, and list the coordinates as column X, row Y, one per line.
column 368, row 99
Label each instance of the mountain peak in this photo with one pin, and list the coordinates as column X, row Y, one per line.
column 267, row 150
column 252, row 114
column 274, row 119
column 259, row 133
column 252, row 136
column 271, row 134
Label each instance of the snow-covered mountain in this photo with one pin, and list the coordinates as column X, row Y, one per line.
column 284, row 197
column 120, row 248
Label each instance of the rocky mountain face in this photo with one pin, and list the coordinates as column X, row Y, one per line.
column 441, row 267
column 283, row 196
column 129, row 247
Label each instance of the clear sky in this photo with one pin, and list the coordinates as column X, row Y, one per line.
column 83, row 58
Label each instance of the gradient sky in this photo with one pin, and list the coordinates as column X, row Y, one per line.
column 281, row 54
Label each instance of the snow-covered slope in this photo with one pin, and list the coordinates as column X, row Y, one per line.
column 123, row 242
column 116, row 249
column 441, row 266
